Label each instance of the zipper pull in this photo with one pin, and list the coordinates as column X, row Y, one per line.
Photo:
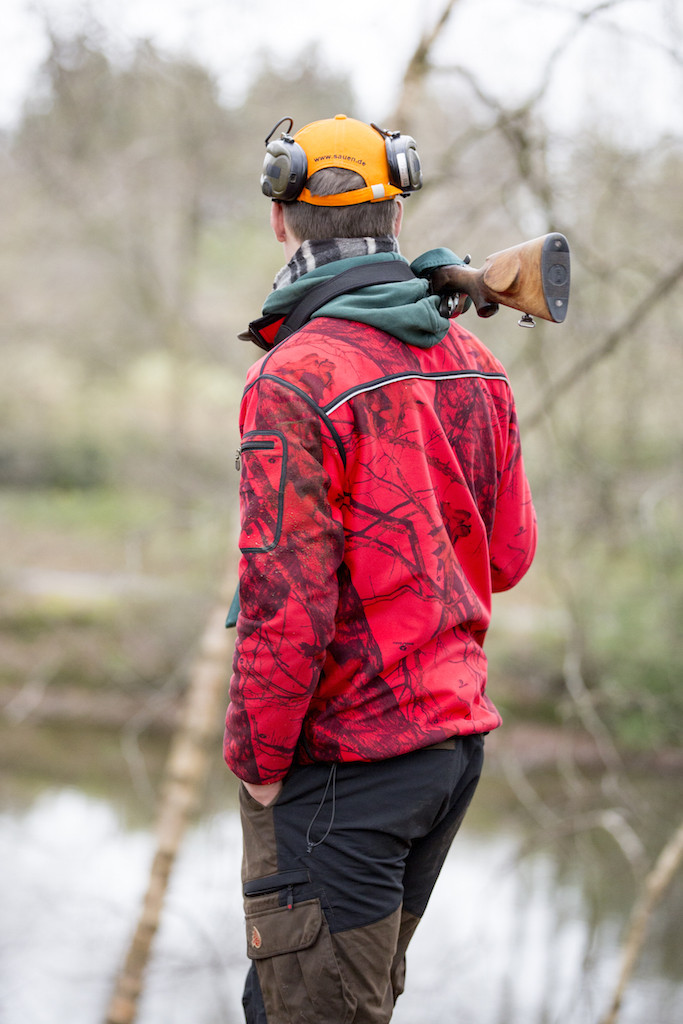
column 238, row 459
column 290, row 898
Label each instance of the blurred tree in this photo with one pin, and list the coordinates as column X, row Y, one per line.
column 603, row 432
column 130, row 156
column 134, row 230
column 604, row 456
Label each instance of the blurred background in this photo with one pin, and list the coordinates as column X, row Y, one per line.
column 135, row 247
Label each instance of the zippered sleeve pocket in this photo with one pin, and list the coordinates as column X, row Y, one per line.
column 263, row 458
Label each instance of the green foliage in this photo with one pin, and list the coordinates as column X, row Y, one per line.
column 639, row 649
column 53, row 462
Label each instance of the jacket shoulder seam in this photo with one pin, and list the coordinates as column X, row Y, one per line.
column 321, row 413
column 380, row 382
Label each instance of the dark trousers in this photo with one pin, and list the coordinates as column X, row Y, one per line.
column 337, row 873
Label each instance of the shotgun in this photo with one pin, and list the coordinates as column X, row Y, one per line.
column 532, row 277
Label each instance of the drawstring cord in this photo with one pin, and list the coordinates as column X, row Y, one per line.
column 331, row 778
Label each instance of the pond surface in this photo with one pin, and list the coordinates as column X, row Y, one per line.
column 519, row 931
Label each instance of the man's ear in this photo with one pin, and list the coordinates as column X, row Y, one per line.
column 399, row 218
column 283, row 234
column 277, row 221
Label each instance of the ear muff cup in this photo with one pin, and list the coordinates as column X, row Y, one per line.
column 405, row 169
column 285, row 170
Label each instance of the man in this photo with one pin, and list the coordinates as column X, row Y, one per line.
column 383, row 498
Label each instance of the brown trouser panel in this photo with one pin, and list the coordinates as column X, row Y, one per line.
column 298, row 972
column 338, row 978
column 330, row 911
column 373, row 961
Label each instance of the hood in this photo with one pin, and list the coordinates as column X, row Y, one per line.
column 403, row 309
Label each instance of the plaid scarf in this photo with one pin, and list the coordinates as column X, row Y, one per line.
column 312, row 254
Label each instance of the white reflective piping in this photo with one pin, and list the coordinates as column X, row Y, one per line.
column 376, row 385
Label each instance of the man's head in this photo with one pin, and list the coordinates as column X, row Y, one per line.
column 338, row 178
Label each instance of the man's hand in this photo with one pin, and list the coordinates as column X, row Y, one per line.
column 263, row 794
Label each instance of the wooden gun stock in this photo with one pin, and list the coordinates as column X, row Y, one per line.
column 532, row 277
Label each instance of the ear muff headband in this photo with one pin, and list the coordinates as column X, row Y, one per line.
column 285, row 168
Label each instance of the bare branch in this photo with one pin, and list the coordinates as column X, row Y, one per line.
column 656, row 884
column 513, row 121
column 419, row 66
column 555, row 829
column 514, row 124
column 583, row 703
column 520, row 784
column 584, row 17
column 659, row 290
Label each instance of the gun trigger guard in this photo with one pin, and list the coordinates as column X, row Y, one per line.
column 452, row 304
column 446, row 306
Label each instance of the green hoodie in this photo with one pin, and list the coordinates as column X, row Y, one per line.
column 404, row 309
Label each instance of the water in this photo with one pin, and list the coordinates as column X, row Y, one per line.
column 509, row 938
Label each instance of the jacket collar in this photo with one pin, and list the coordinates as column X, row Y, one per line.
column 404, row 309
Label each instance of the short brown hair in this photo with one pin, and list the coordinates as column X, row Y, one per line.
column 362, row 220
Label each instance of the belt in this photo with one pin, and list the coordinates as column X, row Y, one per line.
column 448, row 744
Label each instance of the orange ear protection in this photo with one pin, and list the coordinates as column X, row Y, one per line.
column 387, row 161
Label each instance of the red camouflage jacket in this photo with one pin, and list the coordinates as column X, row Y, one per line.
column 383, row 498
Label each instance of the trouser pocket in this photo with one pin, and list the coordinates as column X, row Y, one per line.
column 298, row 972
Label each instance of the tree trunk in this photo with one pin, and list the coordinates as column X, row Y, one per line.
column 194, row 745
column 656, row 884
column 417, row 71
